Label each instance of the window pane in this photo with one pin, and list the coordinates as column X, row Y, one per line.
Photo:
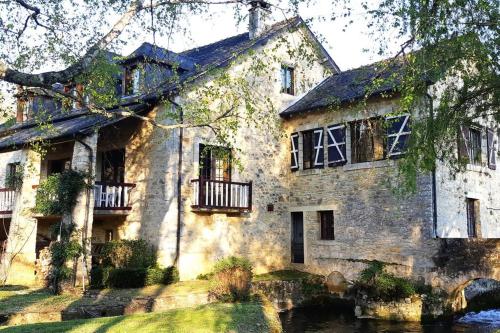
column 327, row 227
column 308, row 148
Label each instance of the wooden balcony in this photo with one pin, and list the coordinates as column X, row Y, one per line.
column 225, row 196
column 112, row 196
column 7, row 200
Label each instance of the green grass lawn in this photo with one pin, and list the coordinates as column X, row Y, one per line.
column 238, row 317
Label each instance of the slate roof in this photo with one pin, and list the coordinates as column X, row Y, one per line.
column 156, row 53
column 349, row 86
column 196, row 62
column 64, row 126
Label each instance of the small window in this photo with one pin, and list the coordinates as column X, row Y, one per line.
column 469, row 145
column 398, row 135
column 131, row 80
column 327, row 228
column 287, row 80
column 367, row 140
column 13, row 175
column 472, row 217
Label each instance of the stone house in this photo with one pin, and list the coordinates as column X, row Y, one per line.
column 318, row 198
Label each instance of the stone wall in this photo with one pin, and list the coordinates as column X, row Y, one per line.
column 152, row 162
column 371, row 221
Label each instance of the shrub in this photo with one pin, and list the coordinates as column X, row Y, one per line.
column 377, row 283
column 128, row 254
column 99, row 277
column 109, row 277
column 231, row 279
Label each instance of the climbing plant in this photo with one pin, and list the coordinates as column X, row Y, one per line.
column 57, row 194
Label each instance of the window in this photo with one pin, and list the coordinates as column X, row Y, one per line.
column 398, row 135
column 326, row 221
column 367, row 140
column 287, row 80
column 469, row 143
column 113, row 166
column 131, row 80
column 13, row 175
column 294, row 152
column 492, row 149
column 472, row 217
column 336, row 145
column 312, row 146
column 215, row 163
column 76, row 91
column 24, row 108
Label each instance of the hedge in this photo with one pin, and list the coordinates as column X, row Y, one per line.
column 108, row 277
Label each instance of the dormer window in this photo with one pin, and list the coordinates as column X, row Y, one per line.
column 76, row 91
column 287, row 80
column 131, row 81
column 24, row 108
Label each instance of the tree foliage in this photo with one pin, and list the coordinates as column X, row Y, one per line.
column 454, row 39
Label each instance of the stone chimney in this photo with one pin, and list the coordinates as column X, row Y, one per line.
column 259, row 11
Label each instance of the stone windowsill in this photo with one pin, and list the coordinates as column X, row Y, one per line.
column 478, row 168
column 369, row 165
column 308, row 172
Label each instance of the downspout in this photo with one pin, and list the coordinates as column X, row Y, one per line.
column 179, row 190
column 434, row 190
column 87, row 211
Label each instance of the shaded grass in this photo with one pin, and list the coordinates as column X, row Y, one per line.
column 283, row 275
column 238, row 317
column 13, row 300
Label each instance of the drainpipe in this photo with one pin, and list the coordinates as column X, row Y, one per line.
column 87, row 212
column 179, row 191
column 434, row 191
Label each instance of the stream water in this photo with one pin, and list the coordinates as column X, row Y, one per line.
column 328, row 319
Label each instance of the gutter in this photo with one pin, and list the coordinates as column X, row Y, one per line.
column 434, row 190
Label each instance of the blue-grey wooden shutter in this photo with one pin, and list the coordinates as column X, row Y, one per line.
column 336, row 145
column 492, row 149
column 319, row 155
column 398, row 135
column 294, row 152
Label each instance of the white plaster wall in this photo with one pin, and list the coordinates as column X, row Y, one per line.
column 5, row 159
column 477, row 182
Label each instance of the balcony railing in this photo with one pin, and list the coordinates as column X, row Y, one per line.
column 7, row 200
column 221, row 195
column 112, row 196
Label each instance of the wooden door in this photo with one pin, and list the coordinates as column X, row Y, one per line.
column 298, row 237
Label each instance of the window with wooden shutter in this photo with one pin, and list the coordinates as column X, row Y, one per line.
column 398, row 135
column 313, row 149
column 294, row 152
column 336, row 145
column 472, row 217
column 492, row 149
column 469, row 145
column 367, row 140
column 327, row 227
